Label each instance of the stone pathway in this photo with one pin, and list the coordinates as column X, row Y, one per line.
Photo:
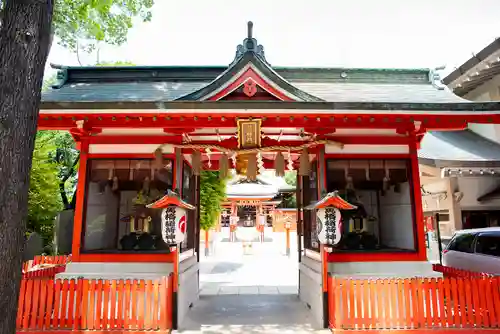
column 249, row 314
column 246, row 294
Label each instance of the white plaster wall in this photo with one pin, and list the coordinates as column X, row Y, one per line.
column 129, row 148
column 396, row 220
column 311, row 287
column 473, row 187
column 370, row 149
column 369, row 200
column 100, row 230
column 489, row 91
column 117, row 270
column 401, row 269
column 188, row 291
column 490, row 131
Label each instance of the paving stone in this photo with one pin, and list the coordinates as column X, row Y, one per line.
column 288, row 290
column 248, row 290
column 228, row 290
column 268, row 290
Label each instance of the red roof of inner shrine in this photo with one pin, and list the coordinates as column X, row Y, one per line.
column 170, row 199
column 332, row 200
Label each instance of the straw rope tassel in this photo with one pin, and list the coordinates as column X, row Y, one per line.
column 159, row 158
column 196, row 161
column 252, row 167
column 304, row 165
column 279, row 165
column 223, row 166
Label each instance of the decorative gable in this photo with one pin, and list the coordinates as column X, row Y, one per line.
column 250, row 77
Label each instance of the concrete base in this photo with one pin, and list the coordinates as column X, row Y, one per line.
column 400, row 269
column 116, row 270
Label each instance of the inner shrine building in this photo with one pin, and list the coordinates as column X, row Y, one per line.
column 144, row 130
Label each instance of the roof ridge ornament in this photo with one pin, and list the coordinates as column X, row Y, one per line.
column 250, row 44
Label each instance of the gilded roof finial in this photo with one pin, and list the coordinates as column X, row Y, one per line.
column 250, row 29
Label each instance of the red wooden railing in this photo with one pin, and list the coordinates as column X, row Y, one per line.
column 43, row 266
column 45, row 260
column 455, row 272
column 48, row 272
column 416, row 303
column 82, row 304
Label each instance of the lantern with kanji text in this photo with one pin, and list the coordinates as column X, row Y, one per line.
column 173, row 217
column 329, row 218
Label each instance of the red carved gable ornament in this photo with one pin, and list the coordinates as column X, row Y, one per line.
column 250, row 88
column 250, row 80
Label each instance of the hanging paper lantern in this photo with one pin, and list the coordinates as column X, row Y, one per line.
column 173, row 225
column 329, row 227
column 328, row 217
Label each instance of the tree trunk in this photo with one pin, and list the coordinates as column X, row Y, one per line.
column 24, row 47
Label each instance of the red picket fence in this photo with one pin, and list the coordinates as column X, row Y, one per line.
column 82, row 304
column 416, row 303
column 455, row 272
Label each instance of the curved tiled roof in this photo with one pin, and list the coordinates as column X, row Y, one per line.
column 464, row 146
column 144, row 85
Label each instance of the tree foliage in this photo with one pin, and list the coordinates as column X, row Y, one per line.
column 212, row 194
column 44, row 201
column 115, row 63
column 291, row 178
column 95, row 21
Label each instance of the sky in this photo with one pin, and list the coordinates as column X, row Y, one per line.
column 312, row 33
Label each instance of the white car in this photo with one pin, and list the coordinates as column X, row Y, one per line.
column 474, row 250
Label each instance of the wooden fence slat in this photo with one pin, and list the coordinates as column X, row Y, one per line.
column 34, row 306
column 441, row 302
column 113, row 301
column 331, row 302
column 434, row 298
column 57, row 304
column 42, row 303
column 20, row 308
column 126, row 320
column 120, row 309
column 134, row 298
column 105, row 305
column 78, row 304
column 366, row 304
column 149, row 305
column 98, row 307
column 381, row 310
column 91, row 310
column 358, row 298
column 373, row 305
column 477, row 309
column 495, row 296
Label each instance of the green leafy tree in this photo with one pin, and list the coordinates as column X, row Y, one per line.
column 44, row 201
column 290, row 199
column 27, row 29
column 115, row 63
column 291, row 178
column 212, row 194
